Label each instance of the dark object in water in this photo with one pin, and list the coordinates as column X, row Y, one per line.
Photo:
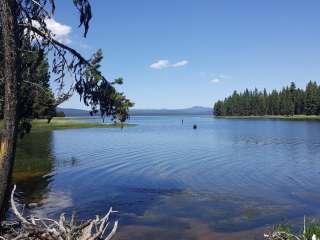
column 195, row 126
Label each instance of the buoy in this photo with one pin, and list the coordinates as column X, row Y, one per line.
column 195, row 126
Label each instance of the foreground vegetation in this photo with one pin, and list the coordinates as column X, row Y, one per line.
column 68, row 123
column 276, row 117
column 310, row 231
column 289, row 101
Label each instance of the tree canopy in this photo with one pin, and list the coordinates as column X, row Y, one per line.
column 36, row 96
column 289, row 101
column 37, row 41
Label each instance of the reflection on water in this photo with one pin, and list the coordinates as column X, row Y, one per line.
column 33, row 167
column 229, row 179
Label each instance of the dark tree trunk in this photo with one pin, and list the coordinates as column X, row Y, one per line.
column 10, row 36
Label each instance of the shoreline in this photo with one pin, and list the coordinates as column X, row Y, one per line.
column 60, row 123
column 275, row 117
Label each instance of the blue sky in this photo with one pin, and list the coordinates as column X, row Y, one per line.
column 206, row 48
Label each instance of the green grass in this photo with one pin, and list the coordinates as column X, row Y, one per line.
column 67, row 123
column 283, row 228
column 276, row 117
column 311, row 228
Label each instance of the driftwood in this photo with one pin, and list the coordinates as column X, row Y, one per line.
column 282, row 236
column 33, row 228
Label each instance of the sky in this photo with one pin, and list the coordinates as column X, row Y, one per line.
column 183, row 53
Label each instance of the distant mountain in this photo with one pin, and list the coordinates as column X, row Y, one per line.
column 185, row 111
column 197, row 110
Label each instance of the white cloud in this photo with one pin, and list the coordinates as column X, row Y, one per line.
column 60, row 31
column 215, row 80
column 180, row 64
column 162, row 64
column 219, row 78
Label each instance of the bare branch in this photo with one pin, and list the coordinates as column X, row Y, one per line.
column 14, row 208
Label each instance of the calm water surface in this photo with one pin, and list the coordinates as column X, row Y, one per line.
column 229, row 179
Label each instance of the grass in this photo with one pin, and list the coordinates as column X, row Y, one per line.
column 276, row 117
column 68, row 123
column 311, row 231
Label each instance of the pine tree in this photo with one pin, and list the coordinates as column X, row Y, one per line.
column 289, row 101
column 311, row 98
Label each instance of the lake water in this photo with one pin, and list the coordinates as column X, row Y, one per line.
column 228, row 179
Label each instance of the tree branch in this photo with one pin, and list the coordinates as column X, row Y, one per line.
column 63, row 46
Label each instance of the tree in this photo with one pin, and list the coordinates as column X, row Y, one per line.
column 218, row 108
column 311, row 98
column 289, row 101
column 35, row 87
column 23, row 27
column 37, row 98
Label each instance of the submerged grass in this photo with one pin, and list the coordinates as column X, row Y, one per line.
column 276, row 117
column 68, row 123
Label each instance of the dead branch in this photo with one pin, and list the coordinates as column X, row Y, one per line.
column 49, row 229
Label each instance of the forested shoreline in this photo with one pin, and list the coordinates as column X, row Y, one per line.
column 289, row 101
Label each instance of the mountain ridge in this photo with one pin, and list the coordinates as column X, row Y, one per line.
column 195, row 110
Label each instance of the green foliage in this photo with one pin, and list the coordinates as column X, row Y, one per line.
column 313, row 228
column 39, row 125
column 101, row 95
column 284, row 232
column 36, row 98
column 282, row 228
column 287, row 102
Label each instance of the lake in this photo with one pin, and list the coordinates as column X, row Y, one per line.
column 228, row 179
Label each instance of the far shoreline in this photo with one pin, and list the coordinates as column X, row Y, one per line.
column 275, row 117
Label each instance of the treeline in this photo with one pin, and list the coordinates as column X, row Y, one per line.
column 289, row 101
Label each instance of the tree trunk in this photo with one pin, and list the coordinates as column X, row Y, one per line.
column 10, row 34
